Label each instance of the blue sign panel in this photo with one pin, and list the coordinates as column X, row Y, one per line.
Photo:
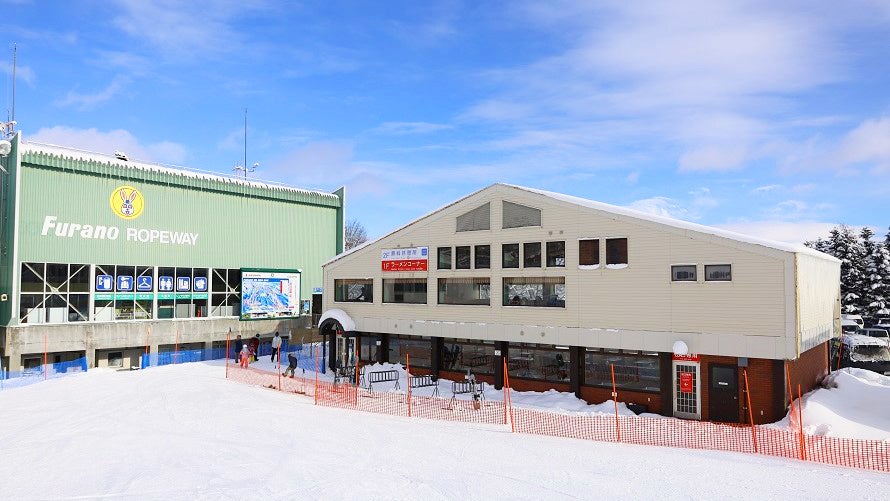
column 183, row 284
column 104, row 283
column 124, row 283
column 165, row 284
column 144, row 284
column 200, row 284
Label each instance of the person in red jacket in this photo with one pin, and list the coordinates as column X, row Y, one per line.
column 245, row 356
column 254, row 346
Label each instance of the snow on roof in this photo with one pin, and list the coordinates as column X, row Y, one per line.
column 64, row 151
column 863, row 340
column 677, row 223
column 340, row 316
column 615, row 209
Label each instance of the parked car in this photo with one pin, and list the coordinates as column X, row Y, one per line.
column 856, row 318
column 849, row 326
column 876, row 333
column 863, row 352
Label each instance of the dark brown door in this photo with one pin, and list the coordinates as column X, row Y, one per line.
column 723, row 393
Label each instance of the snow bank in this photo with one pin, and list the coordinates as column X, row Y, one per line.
column 341, row 316
column 853, row 403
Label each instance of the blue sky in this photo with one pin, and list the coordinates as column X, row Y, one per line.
column 769, row 119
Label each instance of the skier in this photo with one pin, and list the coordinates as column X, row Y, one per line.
column 239, row 343
column 245, row 356
column 291, row 365
column 276, row 347
column 254, row 347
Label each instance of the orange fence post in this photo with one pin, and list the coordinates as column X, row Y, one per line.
column 147, row 337
column 408, row 373
column 44, row 357
column 803, row 441
column 791, row 400
column 750, row 411
column 316, row 373
column 176, row 347
column 505, row 390
column 279, row 368
column 615, row 399
column 227, row 354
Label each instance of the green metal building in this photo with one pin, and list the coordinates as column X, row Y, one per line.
column 90, row 245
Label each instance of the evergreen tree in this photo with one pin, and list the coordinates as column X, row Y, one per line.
column 877, row 276
column 845, row 245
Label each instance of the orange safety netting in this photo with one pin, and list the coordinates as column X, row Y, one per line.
column 761, row 439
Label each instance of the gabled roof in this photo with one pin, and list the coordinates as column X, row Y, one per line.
column 620, row 211
column 51, row 155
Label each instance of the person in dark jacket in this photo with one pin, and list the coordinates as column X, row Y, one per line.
column 291, row 365
column 239, row 343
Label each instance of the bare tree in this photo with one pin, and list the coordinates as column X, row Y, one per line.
column 355, row 234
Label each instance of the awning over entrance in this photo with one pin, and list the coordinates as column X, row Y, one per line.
column 336, row 316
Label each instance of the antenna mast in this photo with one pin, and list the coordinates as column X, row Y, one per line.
column 15, row 49
column 245, row 142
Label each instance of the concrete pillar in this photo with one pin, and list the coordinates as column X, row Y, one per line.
column 503, row 347
column 436, row 344
column 576, row 369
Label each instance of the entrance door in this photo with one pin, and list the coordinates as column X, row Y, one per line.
column 345, row 351
column 723, row 393
column 687, row 390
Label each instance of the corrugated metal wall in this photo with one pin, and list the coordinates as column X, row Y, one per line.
column 233, row 230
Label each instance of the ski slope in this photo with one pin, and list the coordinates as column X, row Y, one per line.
column 184, row 432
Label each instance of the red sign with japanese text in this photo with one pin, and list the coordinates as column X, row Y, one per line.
column 686, row 382
column 404, row 265
column 689, row 357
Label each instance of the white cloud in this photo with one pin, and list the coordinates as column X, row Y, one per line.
column 869, row 143
column 108, row 142
column 782, row 231
column 404, row 128
column 185, row 29
column 88, row 101
column 24, row 72
column 661, row 206
column 760, row 190
column 633, row 177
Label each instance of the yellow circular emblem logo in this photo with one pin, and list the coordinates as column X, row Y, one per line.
column 127, row 202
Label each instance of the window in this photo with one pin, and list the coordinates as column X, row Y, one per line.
column 444, row 260
column 477, row 219
column 354, row 290
column 483, row 257
column 519, row 216
column 462, row 257
column 462, row 355
column 531, row 253
column 556, row 254
column 225, row 288
column 54, row 293
column 404, row 290
column 116, row 359
column 534, row 361
column 535, row 291
column 633, row 370
column 589, row 252
column 683, row 273
column 419, row 349
column 616, row 251
column 465, row 291
column 510, row 253
column 718, row 272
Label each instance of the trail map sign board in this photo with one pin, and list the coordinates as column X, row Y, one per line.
column 269, row 294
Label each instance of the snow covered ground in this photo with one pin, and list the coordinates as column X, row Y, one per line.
column 184, row 432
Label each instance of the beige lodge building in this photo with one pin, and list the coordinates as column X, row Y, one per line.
column 565, row 288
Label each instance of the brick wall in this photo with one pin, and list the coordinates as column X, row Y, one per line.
column 762, row 380
column 598, row 395
column 808, row 370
